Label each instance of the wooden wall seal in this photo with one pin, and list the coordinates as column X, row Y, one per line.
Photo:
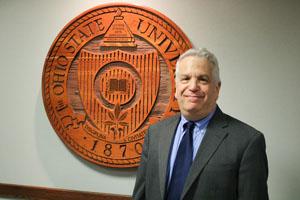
column 108, row 75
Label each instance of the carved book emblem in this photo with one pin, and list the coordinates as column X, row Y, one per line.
column 108, row 75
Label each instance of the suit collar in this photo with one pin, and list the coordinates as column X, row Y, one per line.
column 214, row 136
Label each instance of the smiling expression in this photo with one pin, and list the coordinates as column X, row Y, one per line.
column 196, row 89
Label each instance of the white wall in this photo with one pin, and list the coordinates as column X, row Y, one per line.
column 258, row 46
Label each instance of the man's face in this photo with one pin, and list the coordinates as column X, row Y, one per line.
column 196, row 91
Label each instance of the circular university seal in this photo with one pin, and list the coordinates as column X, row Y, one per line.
column 108, row 75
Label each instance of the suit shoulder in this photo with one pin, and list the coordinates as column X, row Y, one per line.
column 241, row 135
column 163, row 123
column 239, row 127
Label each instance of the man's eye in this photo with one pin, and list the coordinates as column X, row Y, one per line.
column 204, row 79
column 184, row 78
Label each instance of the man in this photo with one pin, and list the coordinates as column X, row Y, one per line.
column 227, row 159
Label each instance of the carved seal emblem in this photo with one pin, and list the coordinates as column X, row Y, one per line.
column 108, row 75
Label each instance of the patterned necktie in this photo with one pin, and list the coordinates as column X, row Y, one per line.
column 182, row 164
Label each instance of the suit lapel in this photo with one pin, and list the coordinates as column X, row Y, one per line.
column 214, row 135
column 165, row 141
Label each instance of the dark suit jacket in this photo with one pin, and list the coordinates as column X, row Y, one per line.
column 231, row 162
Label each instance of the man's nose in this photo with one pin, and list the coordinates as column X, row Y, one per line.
column 193, row 85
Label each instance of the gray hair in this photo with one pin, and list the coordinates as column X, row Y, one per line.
column 201, row 53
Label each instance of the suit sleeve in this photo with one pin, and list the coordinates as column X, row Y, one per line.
column 253, row 172
column 140, row 183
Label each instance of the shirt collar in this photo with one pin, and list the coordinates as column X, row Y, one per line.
column 200, row 123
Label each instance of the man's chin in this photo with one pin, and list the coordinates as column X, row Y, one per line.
column 194, row 113
column 195, row 100
column 194, row 106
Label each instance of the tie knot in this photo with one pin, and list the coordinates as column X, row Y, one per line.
column 189, row 126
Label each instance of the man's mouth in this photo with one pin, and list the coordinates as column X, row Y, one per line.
column 193, row 97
